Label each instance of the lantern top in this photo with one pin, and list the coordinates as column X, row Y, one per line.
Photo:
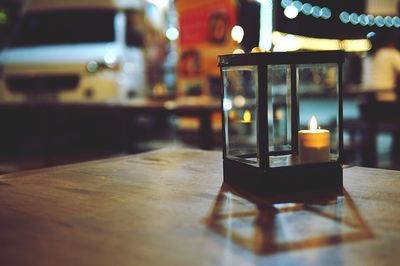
column 303, row 57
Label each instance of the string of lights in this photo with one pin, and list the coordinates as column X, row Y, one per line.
column 369, row 20
column 293, row 8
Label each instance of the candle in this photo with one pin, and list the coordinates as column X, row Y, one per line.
column 247, row 123
column 246, row 117
column 314, row 143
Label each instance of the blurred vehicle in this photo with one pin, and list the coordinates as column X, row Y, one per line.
column 76, row 51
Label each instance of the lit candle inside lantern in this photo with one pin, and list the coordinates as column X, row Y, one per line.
column 247, row 123
column 246, row 117
column 314, row 143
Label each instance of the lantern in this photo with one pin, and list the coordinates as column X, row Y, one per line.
column 282, row 120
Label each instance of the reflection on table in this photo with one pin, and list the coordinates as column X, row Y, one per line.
column 267, row 225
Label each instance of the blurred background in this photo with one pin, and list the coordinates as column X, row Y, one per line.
column 83, row 80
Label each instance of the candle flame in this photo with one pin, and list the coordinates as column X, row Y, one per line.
column 313, row 123
column 247, row 116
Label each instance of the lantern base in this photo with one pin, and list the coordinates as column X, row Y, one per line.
column 327, row 175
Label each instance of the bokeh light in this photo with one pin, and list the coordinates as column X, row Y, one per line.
column 237, row 33
column 172, row 33
column 291, row 12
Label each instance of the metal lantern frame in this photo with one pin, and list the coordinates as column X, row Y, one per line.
column 266, row 179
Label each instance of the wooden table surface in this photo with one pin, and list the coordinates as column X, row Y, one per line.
column 168, row 207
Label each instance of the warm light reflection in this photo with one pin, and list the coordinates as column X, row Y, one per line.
column 237, row 33
column 247, row 116
column 256, row 50
column 239, row 101
column 287, row 42
column 261, row 224
column 238, row 51
column 313, row 123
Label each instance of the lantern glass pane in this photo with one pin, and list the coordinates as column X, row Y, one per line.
column 279, row 115
column 318, row 93
column 240, row 113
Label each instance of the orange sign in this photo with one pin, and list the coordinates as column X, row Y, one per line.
column 205, row 28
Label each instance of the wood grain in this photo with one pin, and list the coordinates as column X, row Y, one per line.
column 169, row 207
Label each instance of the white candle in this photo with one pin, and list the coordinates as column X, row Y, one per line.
column 314, row 144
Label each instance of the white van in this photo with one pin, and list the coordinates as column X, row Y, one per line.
column 76, row 51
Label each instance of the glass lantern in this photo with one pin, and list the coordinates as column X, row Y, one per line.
column 282, row 120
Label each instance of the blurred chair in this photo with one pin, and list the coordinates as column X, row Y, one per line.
column 379, row 116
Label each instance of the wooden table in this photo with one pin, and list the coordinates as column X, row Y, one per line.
column 168, row 207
